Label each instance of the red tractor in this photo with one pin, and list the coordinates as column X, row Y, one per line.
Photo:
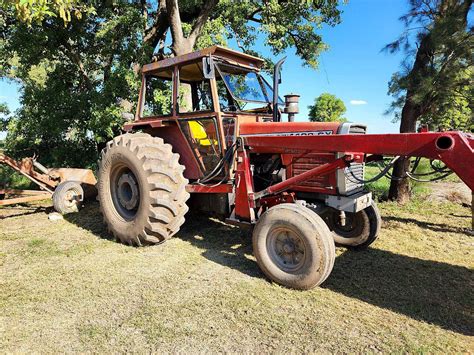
column 208, row 133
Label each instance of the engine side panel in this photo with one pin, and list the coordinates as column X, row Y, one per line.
column 297, row 164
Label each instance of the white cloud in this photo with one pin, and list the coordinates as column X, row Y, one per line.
column 358, row 102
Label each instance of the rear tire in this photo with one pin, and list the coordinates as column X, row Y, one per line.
column 293, row 246
column 361, row 229
column 67, row 197
column 141, row 189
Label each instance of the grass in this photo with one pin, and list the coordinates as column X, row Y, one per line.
column 380, row 187
column 66, row 287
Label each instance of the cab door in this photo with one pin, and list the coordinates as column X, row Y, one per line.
column 198, row 119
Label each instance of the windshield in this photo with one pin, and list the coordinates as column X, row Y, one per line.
column 245, row 85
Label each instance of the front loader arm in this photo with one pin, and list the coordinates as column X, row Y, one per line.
column 455, row 149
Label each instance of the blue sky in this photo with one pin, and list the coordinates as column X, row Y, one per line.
column 354, row 68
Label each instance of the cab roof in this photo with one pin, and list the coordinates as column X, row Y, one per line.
column 226, row 54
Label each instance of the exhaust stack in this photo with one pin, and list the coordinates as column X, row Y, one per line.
column 276, row 82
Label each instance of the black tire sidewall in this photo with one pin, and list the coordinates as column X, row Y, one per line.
column 370, row 216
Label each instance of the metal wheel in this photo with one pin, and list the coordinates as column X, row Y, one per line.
column 286, row 248
column 67, row 197
column 352, row 228
column 359, row 230
column 125, row 192
column 293, row 246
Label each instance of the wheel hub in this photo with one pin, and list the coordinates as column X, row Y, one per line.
column 287, row 249
column 70, row 197
column 127, row 189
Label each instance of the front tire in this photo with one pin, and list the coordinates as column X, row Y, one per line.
column 293, row 246
column 141, row 189
column 360, row 230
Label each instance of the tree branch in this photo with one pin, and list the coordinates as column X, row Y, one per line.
column 155, row 33
column 75, row 58
column 251, row 16
column 175, row 21
column 201, row 19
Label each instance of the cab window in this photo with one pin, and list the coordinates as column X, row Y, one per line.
column 157, row 100
column 194, row 92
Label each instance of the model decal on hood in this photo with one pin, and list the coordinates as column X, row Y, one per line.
column 286, row 134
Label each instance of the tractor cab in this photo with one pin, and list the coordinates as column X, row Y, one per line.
column 204, row 96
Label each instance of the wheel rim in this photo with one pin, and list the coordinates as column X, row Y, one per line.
column 125, row 192
column 286, row 248
column 71, row 199
column 353, row 226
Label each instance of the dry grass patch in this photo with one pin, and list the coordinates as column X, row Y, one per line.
column 66, row 287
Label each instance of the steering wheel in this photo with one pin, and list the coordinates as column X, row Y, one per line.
column 229, row 108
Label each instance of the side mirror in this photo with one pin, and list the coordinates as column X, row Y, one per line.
column 208, row 67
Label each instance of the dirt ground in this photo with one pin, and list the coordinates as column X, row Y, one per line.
column 456, row 192
column 66, row 287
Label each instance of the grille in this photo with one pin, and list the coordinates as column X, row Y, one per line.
column 346, row 184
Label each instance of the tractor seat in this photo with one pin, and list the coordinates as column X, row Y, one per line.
column 199, row 134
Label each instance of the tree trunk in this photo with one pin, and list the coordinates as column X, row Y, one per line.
column 400, row 188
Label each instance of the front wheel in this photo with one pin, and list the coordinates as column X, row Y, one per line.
column 359, row 230
column 293, row 246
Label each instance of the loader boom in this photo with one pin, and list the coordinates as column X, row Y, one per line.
column 455, row 149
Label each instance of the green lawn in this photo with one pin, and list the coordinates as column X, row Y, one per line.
column 66, row 287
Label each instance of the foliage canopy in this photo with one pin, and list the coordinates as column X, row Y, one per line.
column 79, row 72
column 437, row 78
column 436, row 85
column 327, row 108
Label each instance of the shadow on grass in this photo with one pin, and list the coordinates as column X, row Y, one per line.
column 425, row 290
column 436, row 227
column 89, row 218
column 428, row 291
column 24, row 211
column 460, row 215
column 221, row 243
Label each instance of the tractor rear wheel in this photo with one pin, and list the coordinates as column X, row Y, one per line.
column 293, row 246
column 67, row 197
column 359, row 230
column 142, row 190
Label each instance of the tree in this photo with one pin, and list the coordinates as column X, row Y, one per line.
column 327, row 108
column 455, row 111
column 4, row 116
column 442, row 60
column 77, row 77
column 37, row 10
